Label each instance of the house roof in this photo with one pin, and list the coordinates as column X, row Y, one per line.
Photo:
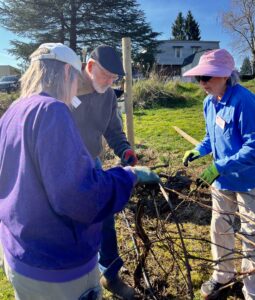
column 187, row 41
column 9, row 67
column 194, row 57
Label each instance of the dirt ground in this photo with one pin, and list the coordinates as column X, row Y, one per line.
column 165, row 244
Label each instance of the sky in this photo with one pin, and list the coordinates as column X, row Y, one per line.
column 5, row 58
column 161, row 14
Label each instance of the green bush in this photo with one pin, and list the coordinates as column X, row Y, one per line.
column 6, row 100
column 250, row 85
column 157, row 92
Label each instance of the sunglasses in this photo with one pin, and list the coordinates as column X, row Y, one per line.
column 203, row 78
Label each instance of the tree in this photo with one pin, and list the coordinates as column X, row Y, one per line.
column 185, row 28
column 77, row 23
column 240, row 21
column 191, row 28
column 246, row 67
column 178, row 28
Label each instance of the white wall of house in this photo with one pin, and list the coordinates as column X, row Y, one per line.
column 173, row 52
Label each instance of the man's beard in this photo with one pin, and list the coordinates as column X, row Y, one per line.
column 98, row 88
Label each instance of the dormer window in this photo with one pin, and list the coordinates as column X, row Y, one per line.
column 178, row 51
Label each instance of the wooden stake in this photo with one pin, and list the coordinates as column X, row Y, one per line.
column 186, row 136
column 126, row 50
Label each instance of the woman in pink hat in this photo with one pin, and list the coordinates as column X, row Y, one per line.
column 229, row 111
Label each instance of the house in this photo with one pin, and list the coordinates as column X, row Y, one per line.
column 172, row 54
column 8, row 70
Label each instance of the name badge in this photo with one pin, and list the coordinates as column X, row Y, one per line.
column 76, row 102
column 220, row 122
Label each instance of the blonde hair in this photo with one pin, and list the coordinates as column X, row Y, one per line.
column 48, row 76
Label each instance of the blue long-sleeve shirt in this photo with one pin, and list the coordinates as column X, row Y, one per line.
column 52, row 199
column 230, row 136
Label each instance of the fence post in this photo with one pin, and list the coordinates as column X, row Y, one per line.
column 126, row 51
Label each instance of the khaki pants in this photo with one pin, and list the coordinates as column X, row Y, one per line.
column 225, row 203
column 78, row 289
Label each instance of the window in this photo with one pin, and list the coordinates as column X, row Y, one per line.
column 178, row 52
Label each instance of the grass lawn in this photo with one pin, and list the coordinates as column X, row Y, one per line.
column 154, row 136
column 6, row 292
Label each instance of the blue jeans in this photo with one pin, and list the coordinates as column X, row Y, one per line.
column 109, row 259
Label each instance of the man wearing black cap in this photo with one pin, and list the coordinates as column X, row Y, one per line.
column 95, row 112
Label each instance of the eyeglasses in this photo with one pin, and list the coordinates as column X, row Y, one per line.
column 203, row 78
column 105, row 74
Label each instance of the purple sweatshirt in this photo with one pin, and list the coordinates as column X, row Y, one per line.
column 52, row 199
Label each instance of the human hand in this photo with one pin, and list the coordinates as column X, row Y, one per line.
column 190, row 155
column 129, row 158
column 145, row 175
column 208, row 175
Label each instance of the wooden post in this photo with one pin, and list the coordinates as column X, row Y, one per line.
column 84, row 54
column 126, row 51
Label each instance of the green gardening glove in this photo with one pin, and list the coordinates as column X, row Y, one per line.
column 145, row 175
column 208, row 176
column 190, row 156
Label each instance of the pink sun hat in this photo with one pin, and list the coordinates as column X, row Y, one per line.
column 215, row 63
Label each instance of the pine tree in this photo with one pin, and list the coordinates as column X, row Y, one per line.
column 246, row 67
column 185, row 29
column 77, row 23
column 178, row 28
column 191, row 28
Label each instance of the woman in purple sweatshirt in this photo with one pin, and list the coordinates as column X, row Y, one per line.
column 52, row 199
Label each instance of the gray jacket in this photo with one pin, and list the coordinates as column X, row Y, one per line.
column 97, row 116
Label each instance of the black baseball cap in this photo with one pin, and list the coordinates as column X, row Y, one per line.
column 109, row 59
